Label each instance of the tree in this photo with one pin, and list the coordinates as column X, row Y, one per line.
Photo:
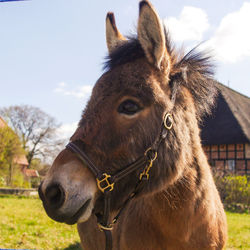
column 36, row 130
column 10, row 149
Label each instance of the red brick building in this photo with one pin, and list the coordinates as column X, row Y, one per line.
column 226, row 133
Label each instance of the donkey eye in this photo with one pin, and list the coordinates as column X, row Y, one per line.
column 128, row 107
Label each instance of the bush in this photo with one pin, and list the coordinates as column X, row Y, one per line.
column 35, row 182
column 20, row 181
column 2, row 182
column 234, row 191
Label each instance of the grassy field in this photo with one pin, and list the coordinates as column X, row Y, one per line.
column 24, row 224
column 239, row 231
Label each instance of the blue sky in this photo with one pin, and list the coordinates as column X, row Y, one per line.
column 51, row 51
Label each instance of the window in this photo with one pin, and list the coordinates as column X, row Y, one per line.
column 231, row 165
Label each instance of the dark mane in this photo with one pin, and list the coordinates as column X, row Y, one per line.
column 130, row 51
column 197, row 71
column 193, row 70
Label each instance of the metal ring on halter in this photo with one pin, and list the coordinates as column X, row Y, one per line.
column 147, row 153
column 168, row 121
column 107, row 228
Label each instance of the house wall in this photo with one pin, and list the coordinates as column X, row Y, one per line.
column 247, row 146
column 233, row 158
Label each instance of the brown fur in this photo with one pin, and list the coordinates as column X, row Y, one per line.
column 113, row 37
column 179, row 207
column 151, row 34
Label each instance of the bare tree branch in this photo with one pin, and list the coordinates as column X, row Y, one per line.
column 36, row 130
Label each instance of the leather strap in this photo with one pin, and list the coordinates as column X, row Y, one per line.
column 75, row 147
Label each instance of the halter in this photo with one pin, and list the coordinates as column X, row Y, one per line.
column 106, row 182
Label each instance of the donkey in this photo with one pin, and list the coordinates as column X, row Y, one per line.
column 137, row 150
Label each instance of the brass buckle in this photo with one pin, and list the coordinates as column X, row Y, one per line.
column 146, row 170
column 149, row 166
column 104, row 183
column 168, row 117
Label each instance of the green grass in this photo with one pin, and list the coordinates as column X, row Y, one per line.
column 238, row 230
column 24, row 224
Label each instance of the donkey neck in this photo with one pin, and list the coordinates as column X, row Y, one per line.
column 165, row 218
column 179, row 204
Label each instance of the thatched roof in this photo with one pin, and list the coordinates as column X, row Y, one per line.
column 230, row 120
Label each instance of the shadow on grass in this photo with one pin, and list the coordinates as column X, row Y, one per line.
column 75, row 246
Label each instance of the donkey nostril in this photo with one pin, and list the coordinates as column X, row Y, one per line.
column 55, row 195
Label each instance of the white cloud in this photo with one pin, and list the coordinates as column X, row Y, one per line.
column 231, row 41
column 62, row 84
column 190, row 25
column 66, row 130
column 83, row 91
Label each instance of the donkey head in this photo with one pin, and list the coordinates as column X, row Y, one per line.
column 123, row 118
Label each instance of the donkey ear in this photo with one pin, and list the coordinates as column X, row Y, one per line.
column 113, row 37
column 151, row 33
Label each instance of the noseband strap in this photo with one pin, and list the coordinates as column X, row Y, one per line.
column 75, row 147
column 106, row 182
